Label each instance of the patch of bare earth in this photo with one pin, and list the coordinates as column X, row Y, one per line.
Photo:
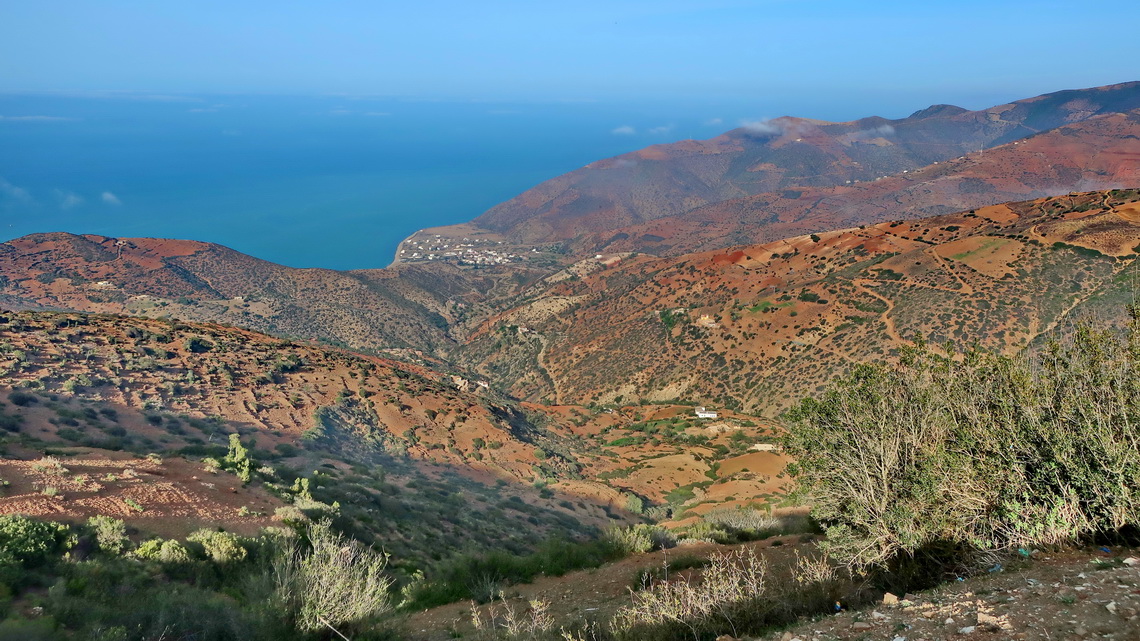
column 170, row 497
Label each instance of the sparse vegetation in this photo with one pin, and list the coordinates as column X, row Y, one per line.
column 482, row 577
column 980, row 452
column 942, row 456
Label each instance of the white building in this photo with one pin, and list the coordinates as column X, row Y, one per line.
column 705, row 413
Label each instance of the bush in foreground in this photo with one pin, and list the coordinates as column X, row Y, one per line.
column 336, row 581
column 976, row 451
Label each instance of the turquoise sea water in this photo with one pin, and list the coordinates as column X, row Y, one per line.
column 309, row 182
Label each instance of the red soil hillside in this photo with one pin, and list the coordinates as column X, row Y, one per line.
column 763, row 325
column 130, row 407
column 668, row 180
column 110, row 383
column 287, row 392
column 1099, row 153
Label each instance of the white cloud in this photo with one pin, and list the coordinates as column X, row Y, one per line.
column 128, row 95
column 35, row 118
column 663, row 129
column 712, row 122
column 869, row 134
column 378, row 114
column 765, row 127
column 340, row 112
column 110, row 199
column 624, row 130
column 154, row 97
column 10, row 191
column 67, row 199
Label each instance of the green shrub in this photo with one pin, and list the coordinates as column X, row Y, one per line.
column 163, row 551
column 977, row 451
column 706, row 532
column 219, row 547
column 22, row 399
column 30, row 542
column 680, row 495
column 11, row 422
column 238, row 460
column 634, row 504
column 290, row 515
column 110, row 533
column 149, row 609
column 482, row 577
column 40, row 629
column 640, row 538
column 198, row 345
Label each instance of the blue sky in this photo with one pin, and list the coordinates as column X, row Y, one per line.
column 887, row 57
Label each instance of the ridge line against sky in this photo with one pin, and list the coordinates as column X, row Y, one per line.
column 320, row 134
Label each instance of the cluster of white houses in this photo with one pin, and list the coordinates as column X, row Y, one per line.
column 464, row 252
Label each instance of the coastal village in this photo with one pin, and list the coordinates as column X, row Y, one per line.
column 466, row 251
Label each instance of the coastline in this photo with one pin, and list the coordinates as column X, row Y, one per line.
column 396, row 256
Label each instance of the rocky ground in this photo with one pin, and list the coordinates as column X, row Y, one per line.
column 1055, row 596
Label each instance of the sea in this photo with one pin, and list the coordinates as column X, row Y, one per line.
column 306, row 181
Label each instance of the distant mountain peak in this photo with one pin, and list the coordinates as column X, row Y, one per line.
column 938, row 111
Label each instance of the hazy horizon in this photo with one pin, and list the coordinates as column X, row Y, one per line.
column 323, row 181
column 319, row 137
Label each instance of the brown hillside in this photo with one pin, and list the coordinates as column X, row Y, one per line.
column 763, row 325
column 668, row 180
column 1098, row 153
column 114, row 383
column 408, row 307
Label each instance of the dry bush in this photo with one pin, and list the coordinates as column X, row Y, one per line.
column 736, row 594
column 50, row 465
column 745, row 519
column 503, row 620
column 975, row 452
column 720, row 600
column 336, row 581
column 640, row 538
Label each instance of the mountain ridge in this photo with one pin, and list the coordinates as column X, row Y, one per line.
column 663, row 181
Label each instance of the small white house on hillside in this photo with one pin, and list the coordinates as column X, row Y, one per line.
column 705, row 413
